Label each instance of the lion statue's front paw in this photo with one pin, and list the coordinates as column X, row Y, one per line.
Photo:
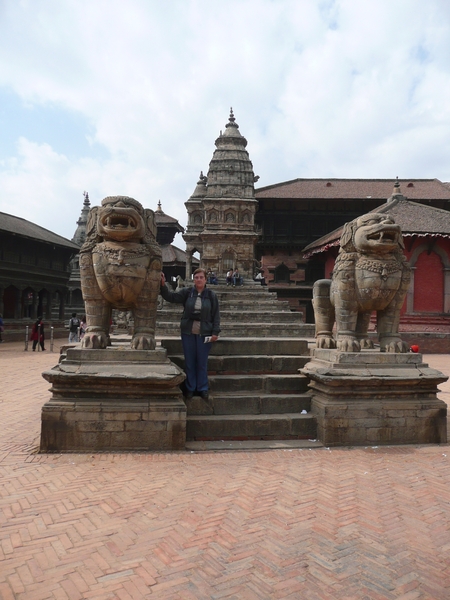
column 366, row 344
column 142, row 341
column 395, row 345
column 325, row 341
column 348, row 344
column 97, row 340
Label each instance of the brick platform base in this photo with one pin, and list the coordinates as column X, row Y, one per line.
column 112, row 400
column 368, row 397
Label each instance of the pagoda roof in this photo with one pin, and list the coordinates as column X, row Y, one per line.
column 22, row 227
column 171, row 255
column 162, row 219
column 418, row 220
column 309, row 189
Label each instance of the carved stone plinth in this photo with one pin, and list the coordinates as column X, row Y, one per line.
column 114, row 400
column 372, row 398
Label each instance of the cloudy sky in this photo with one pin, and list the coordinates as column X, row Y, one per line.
column 116, row 97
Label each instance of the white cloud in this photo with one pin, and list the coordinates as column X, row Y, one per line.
column 340, row 88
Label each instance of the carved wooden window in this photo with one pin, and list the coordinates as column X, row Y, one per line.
column 282, row 274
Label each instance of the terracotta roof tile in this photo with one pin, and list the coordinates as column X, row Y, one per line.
column 414, row 189
column 22, row 227
column 413, row 218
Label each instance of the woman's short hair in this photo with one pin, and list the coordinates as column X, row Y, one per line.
column 200, row 270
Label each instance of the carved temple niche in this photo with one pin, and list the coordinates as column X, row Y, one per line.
column 246, row 217
column 197, row 218
column 230, row 217
column 213, row 217
column 228, row 260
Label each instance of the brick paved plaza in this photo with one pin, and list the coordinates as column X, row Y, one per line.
column 355, row 523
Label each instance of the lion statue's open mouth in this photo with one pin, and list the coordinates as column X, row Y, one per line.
column 119, row 221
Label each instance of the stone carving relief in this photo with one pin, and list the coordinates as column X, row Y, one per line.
column 370, row 274
column 120, row 267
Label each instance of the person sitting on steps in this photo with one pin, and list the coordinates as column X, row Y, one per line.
column 260, row 277
column 237, row 279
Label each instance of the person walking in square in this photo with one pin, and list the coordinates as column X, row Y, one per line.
column 37, row 334
column 200, row 320
column 74, row 325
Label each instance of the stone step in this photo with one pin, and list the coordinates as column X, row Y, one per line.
column 251, row 445
column 279, row 346
column 251, row 427
column 249, row 364
column 234, row 302
column 269, row 384
column 223, row 293
column 244, row 316
column 250, row 404
column 297, row 330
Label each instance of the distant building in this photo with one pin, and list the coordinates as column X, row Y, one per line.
column 174, row 259
column 75, row 301
column 426, row 234
column 34, row 270
column 294, row 214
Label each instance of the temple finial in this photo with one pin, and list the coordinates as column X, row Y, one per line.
column 159, row 206
column 232, row 119
column 397, row 189
column 86, row 199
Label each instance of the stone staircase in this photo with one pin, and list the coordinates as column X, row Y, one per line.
column 256, row 392
column 245, row 311
column 258, row 398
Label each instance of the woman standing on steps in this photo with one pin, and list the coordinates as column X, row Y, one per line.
column 200, row 320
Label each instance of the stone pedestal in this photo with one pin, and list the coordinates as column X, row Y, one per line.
column 372, row 398
column 114, row 400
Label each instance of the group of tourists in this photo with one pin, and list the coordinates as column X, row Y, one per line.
column 234, row 278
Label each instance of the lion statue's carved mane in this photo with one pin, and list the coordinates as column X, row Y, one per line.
column 370, row 274
column 120, row 267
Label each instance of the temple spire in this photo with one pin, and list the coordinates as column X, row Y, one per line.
column 397, row 189
column 80, row 232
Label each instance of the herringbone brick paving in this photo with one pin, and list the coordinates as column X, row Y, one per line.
column 354, row 524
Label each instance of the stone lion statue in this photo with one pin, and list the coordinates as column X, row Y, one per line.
column 120, row 267
column 370, row 274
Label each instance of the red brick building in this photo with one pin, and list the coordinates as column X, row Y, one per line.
column 426, row 234
column 296, row 214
